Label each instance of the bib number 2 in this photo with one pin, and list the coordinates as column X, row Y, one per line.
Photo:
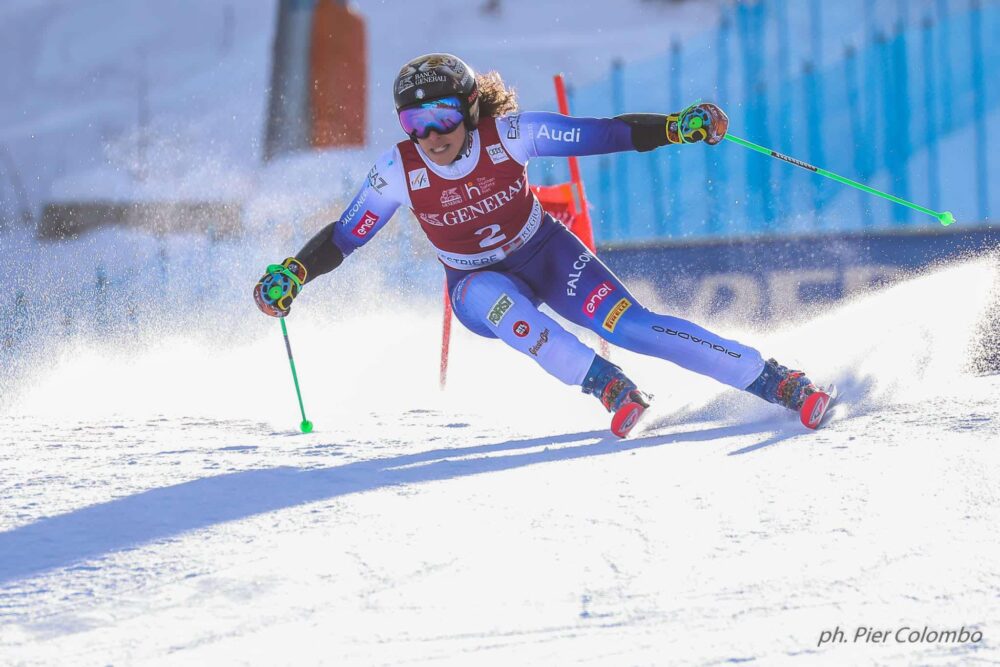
column 492, row 236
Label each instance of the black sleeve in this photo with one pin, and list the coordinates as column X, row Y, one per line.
column 320, row 255
column 649, row 130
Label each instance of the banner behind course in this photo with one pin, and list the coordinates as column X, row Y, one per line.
column 760, row 280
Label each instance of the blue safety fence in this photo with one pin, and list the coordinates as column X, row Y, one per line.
column 899, row 99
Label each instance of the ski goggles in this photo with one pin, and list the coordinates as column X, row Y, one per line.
column 441, row 115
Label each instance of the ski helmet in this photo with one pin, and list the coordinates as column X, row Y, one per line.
column 436, row 75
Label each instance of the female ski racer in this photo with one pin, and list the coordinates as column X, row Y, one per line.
column 462, row 172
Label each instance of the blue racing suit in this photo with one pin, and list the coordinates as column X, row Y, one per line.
column 504, row 256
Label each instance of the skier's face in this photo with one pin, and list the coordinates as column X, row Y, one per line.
column 442, row 149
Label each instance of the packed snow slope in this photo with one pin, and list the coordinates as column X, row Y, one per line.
column 159, row 507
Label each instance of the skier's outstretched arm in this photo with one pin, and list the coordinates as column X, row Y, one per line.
column 375, row 202
column 545, row 134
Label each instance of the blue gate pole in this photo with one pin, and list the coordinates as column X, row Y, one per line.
column 816, row 32
column 930, row 121
column 607, row 198
column 784, row 204
column 872, row 116
column 903, row 12
column 888, row 95
column 815, row 135
column 760, row 94
column 717, row 162
column 758, row 175
column 622, row 184
column 901, row 123
column 816, row 103
column 979, row 108
column 656, row 193
column 944, row 52
column 676, row 103
column 857, row 133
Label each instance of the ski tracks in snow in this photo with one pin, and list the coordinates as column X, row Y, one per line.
column 486, row 524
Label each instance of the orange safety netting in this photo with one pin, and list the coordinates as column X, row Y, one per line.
column 562, row 204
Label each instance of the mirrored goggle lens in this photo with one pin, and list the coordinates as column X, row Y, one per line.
column 441, row 116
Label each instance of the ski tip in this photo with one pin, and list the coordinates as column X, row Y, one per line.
column 815, row 407
column 628, row 415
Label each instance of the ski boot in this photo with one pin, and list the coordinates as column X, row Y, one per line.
column 792, row 389
column 617, row 393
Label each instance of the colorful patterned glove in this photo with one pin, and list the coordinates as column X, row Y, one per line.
column 277, row 288
column 699, row 122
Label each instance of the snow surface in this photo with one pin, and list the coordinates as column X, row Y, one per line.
column 159, row 507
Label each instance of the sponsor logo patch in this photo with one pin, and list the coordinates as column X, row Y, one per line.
column 497, row 153
column 451, row 197
column 521, row 328
column 595, row 298
column 356, row 205
column 376, row 181
column 499, row 309
column 571, row 135
column 405, row 83
column 473, row 191
column 418, row 179
column 365, row 225
column 694, row 339
column 487, row 183
column 611, row 321
column 543, row 338
column 514, row 131
column 424, row 72
column 485, row 206
column 431, row 219
column 579, row 265
column 424, row 79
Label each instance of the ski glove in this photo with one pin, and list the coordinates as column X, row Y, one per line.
column 699, row 122
column 277, row 288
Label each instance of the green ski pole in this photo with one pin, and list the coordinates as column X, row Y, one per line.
column 945, row 217
column 306, row 425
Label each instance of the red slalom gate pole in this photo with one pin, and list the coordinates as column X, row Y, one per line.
column 583, row 229
column 587, row 233
column 445, row 337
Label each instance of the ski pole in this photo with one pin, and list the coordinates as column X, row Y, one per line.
column 945, row 217
column 306, row 425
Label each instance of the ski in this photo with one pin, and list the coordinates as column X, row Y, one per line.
column 628, row 415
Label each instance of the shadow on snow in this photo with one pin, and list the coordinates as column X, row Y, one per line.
column 158, row 514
